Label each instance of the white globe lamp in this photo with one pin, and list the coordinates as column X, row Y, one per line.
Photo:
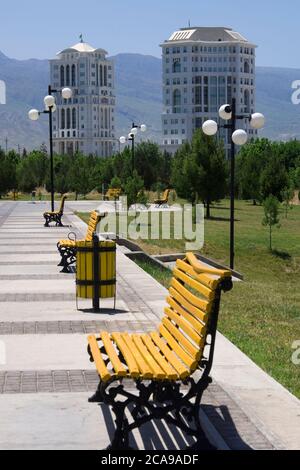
column 122, row 140
column 33, row 115
column 143, row 128
column 67, row 93
column 257, row 121
column 49, row 101
column 240, row 137
column 225, row 112
column 210, row 127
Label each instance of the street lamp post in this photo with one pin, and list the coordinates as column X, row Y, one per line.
column 239, row 137
column 131, row 138
column 50, row 108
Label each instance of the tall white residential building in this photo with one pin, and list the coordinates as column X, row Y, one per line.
column 86, row 122
column 204, row 68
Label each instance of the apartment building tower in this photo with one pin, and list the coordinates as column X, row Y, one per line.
column 204, row 68
column 86, row 122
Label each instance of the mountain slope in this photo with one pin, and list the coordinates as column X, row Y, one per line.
column 139, row 95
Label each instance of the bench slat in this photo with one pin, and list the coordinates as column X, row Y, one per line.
column 99, row 363
column 127, row 353
column 157, row 371
column 208, row 293
column 184, row 325
column 196, row 324
column 192, row 298
column 196, row 312
column 182, row 340
column 111, row 352
column 169, row 354
column 169, row 371
column 145, row 370
column 207, row 281
column 188, row 360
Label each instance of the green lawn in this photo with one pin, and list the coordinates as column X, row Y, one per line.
column 262, row 315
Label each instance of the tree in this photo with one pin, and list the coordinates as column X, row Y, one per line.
column 32, row 171
column 179, row 178
column 115, row 183
column 273, row 178
column 134, row 188
column 271, row 218
column 8, row 176
column 199, row 170
column 207, row 169
column 148, row 162
column 287, row 195
column 79, row 175
column 250, row 163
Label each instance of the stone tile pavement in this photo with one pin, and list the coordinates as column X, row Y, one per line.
column 47, row 377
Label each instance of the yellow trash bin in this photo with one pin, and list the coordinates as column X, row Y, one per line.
column 96, row 270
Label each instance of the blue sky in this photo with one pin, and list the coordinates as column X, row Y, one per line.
column 27, row 30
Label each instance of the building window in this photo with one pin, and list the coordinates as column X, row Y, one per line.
column 63, row 119
column 105, row 76
column 247, row 101
column 246, row 67
column 176, row 66
column 62, row 76
column 74, row 118
column 68, row 75
column 68, row 118
column 73, row 75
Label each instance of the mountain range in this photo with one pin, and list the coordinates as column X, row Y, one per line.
column 139, row 99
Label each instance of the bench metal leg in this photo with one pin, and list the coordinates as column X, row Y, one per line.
column 164, row 400
column 68, row 257
column 47, row 220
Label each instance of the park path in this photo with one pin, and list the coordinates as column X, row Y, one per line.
column 46, row 377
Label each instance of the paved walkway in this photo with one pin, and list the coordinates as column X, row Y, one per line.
column 46, row 378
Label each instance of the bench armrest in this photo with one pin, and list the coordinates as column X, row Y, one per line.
column 70, row 236
column 202, row 268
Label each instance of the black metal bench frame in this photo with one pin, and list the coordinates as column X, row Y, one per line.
column 68, row 254
column 162, row 399
column 55, row 216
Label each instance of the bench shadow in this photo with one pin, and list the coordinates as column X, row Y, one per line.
column 159, row 435
column 221, row 418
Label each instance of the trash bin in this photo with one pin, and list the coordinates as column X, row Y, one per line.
column 96, row 270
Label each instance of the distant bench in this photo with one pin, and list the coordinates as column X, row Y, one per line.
column 113, row 194
column 56, row 216
column 161, row 362
column 164, row 200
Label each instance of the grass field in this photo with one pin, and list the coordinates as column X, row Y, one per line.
column 262, row 315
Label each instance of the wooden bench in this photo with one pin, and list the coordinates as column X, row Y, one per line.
column 164, row 200
column 67, row 248
column 56, row 215
column 113, row 194
column 170, row 366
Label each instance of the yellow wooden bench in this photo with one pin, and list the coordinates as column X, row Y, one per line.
column 113, row 194
column 164, row 200
column 67, row 248
column 179, row 353
column 56, row 215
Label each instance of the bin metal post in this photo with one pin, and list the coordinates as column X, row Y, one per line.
column 96, row 273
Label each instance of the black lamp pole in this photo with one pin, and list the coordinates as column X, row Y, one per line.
column 49, row 112
column 51, row 157
column 131, row 137
column 232, row 127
